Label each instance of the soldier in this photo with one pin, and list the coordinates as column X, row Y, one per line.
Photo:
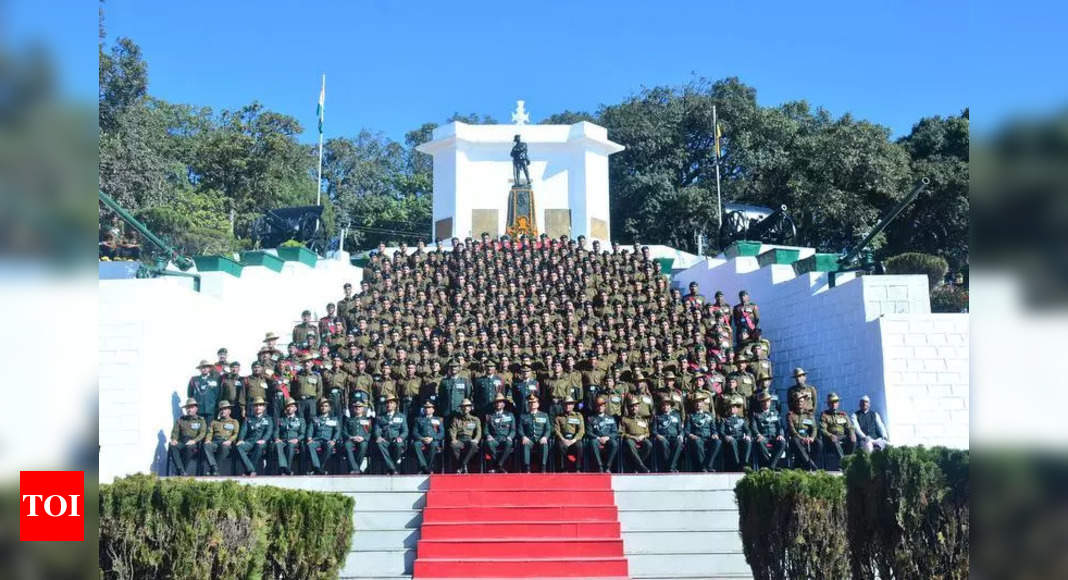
column 603, row 434
column 291, row 429
column 746, row 381
column 409, row 387
column 728, row 399
column 500, row 435
column 560, row 387
column 303, row 332
column 614, row 395
column 270, row 348
column 427, row 436
column 734, row 430
column 189, row 431
column 256, row 431
column 802, row 393
column 767, row 429
column 391, row 433
column 222, row 365
column 837, row 429
column 693, row 299
column 383, row 387
column 465, row 433
column 348, row 305
column 534, row 428
column 331, row 324
column 635, row 433
column 802, row 429
column 525, row 387
column 335, row 383
column 703, row 435
column 487, row 387
column 221, row 436
column 231, row 386
column 307, row 388
column 454, row 389
column 569, row 429
column 668, row 429
column 357, row 432
column 256, row 386
column 869, row 427
column 361, row 382
column 204, row 387
column 322, row 437
column 746, row 313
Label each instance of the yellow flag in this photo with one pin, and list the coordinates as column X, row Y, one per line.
column 718, row 135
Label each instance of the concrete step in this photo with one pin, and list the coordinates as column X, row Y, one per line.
column 377, row 564
column 688, row 566
column 678, row 520
column 387, row 520
column 680, row 500
column 387, row 501
column 383, row 540
column 344, row 483
column 676, row 542
column 676, row 481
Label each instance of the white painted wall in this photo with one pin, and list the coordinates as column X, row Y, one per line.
column 153, row 332
column 851, row 340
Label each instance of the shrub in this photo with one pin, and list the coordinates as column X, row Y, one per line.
column 793, row 524
column 934, row 267
column 292, row 244
column 182, row 528
column 948, row 298
column 908, row 513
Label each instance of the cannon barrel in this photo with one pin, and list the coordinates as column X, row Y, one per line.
column 761, row 228
column 884, row 221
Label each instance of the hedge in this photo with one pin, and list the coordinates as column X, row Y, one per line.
column 934, row 267
column 793, row 524
column 182, row 528
column 908, row 513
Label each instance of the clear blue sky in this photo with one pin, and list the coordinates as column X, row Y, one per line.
column 391, row 66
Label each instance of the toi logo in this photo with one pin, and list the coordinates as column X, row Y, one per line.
column 52, row 506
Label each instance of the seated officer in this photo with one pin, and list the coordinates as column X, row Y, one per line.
column 291, row 429
column 322, row 437
column 391, row 432
column 668, row 429
column 256, row 431
column 635, row 433
column 603, row 434
column 766, row 426
column 221, row 437
column 427, row 435
column 837, row 429
column 534, row 429
column 569, row 429
column 357, row 431
column 189, row 431
column 702, row 433
column 802, row 430
column 734, row 430
column 500, row 435
column 465, row 433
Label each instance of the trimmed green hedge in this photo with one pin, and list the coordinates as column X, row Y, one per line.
column 793, row 524
column 182, row 528
column 934, row 267
column 908, row 513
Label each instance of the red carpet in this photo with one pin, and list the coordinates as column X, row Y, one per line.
column 561, row 525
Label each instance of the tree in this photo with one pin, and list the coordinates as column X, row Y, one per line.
column 123, row 81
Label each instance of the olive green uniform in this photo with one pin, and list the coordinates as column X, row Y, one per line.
column 221, row 436
column 465, row 432
column 189, row 432
column 635, row 433
column 569, row 429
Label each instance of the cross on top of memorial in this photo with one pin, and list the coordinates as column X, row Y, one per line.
column 520, row 116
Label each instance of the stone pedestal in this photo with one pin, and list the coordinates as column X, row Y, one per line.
column 521, row 214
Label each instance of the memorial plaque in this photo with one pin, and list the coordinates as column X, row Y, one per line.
column 558, row 222
column 484, row 221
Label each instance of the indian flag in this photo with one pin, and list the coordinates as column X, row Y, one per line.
column 321, row 106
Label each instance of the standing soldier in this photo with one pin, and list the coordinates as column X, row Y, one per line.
column 487, row 387
column 221, row 436
column 603, row 434
column 322, row 437
column 768, row 432
column 465, row 433
column 668, row 429
column 409, row 388
column 348, row 304
column 360, row 383
column 703, row 434
column 307, row 388
column 454, row 389
column 746, row 313
column 500, row 435
column 614, row 394
column 802, row 429
column 357, row 432
column 635, row 434
column 693, row 299
column 304, row 330
column 534, row 429
column 802, row 393
column 331, row 325
column 222, row 365
column 745, row 379
column 837, row 429
column 569, row 429
column 734, row 430
column 427, row 436
column 256, row 386
column 256, row 431
column 205, row 389
column 291, row 429
column 524, row 388
column 335, row 382
column 560, row 388
column 384, row 387
column 391, row 433
column 231, row 388
column 189, row 431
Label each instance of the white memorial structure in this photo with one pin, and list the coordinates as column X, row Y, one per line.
column 473, row 175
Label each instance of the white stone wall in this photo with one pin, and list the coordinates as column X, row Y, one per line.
column 154, row 332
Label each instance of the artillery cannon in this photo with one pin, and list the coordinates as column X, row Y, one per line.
column 277, row 226
column 755, row 223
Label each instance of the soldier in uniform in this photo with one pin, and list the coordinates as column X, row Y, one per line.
column 331, row 324
column 221, row 436
column 734, row 430
column 702, row 432
column 465, row 434
column 189, row 431
column 746, row 313
column 768, row 431
column 603, row 434
column 409, row 388
column 231, row 386
column 256, row 431
column 427, row 437
column 302, row 332
column 291, row 429
column 391, row 433
column 668, row 428
column 534, row 429
column 500, row 435
column 614, row 394
column 454, row 389
column 569, row 429
column 335, row 383
column 635, row 433
column 256, row 386
column 802, row 393
column 487, row 387
column 307, row 388
column 803, row 430
column 324, row 431
column 384, row 387
column 360, row 383
column 204, row 387
column 525, row 387
column 837, row 429
column 357, row 432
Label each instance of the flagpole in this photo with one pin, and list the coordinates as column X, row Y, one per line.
column 319, row 179
column 715, row 140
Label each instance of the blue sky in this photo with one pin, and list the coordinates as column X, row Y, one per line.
column 391, row 66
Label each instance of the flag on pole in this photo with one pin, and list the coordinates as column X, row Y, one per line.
column 322, row 102
column 719, row 134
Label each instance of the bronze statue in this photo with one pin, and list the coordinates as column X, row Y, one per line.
column 520, row 161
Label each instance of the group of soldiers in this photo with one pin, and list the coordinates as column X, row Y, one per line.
column 531, row 348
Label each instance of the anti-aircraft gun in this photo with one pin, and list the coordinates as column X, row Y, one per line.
column 755, row 223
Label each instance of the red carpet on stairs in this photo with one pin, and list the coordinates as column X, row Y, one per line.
column 554, row 525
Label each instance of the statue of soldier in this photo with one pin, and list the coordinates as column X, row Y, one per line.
column 520, row 161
